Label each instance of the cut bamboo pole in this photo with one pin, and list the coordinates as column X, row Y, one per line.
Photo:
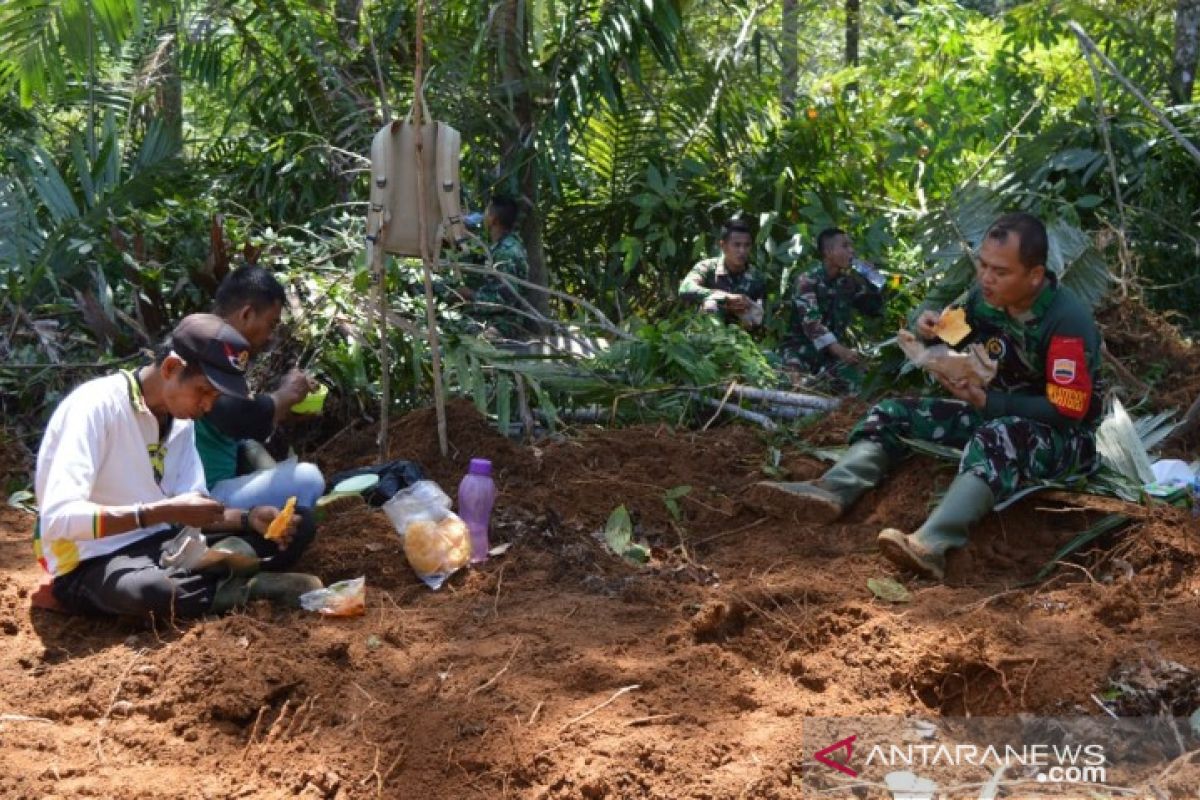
column 789, row 412
column 761, row 420
column 785, row 398
column 439, row 397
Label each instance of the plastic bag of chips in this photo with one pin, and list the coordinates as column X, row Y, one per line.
column 342, row 599
column 436, row 540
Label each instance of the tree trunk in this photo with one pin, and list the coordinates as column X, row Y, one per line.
column 1187, row 43
column 788, row 53
column 348, row 12
column 853, row 31
column 512, row 66
column 169, row 95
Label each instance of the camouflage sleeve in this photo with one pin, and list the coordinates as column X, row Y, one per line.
column 692, row 288
column 510, row 257
column 1072, row 363
column 807, row 308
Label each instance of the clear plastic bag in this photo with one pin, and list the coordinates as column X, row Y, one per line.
column 342, row 599
column 436, row 541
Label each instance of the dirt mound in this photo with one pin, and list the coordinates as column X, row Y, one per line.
column 562, row 671
column 1146, row 342
column 414, row 437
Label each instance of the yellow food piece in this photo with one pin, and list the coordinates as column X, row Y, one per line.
column 437, row 547
column 952, row 326
column 278, row 527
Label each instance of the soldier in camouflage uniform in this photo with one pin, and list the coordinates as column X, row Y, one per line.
column 1035, row 421
column 824, row 301
column 489, row 297
column 725, row 285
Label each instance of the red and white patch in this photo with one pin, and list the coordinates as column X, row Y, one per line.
column 1062, row 371
column 1068, row 384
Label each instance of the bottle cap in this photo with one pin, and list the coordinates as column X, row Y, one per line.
column 480, row 466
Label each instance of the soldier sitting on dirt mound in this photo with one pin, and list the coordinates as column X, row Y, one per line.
column 1036, row 420
column 824, row 302
column 725, row 285
column 118, row 476
column 250, row 300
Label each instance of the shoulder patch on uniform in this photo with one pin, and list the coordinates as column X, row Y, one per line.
column 1068, row 382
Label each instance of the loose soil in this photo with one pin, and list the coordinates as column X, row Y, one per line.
column 561, row 671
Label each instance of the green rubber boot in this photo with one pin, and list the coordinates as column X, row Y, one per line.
column 967, row 501
column 278, row 588
column 827, row 498
column 282, row 588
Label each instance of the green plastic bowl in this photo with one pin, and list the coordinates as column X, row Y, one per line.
column 358, row 483
column 313, row 402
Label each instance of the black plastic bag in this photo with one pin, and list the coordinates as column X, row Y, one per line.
column 393, row 476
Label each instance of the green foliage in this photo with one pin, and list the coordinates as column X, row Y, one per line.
column 696, row 350
column 635, row 127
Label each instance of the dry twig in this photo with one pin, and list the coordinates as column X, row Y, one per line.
column 491, row 681
column 586, row 714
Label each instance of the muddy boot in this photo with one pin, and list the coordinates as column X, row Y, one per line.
column 282, row 588
column 827, row 498
column 231, row 593
column 967, row 500
column 278, row 588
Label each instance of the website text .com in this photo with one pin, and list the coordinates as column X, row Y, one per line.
column 1073, row 775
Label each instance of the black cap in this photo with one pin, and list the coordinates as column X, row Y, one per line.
column 221, row 351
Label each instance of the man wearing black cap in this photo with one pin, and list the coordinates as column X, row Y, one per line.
column 118, row 476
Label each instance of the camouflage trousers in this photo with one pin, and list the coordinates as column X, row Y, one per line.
column 1004, row 452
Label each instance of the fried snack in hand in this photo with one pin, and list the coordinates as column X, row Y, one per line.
column 277, row 531
column 952, row 326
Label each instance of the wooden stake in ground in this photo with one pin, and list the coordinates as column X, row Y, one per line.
column 439, row 397
column 379, row 279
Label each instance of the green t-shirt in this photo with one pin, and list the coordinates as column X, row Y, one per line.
column 218, row 453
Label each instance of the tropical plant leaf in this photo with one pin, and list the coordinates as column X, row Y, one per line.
column 1106, row 525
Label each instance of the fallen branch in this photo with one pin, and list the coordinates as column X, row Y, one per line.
column 23, row 718
column 601, row 319
column 609, row 701
column 789, row 412
column 1091, row 47
column 778, row 397
column 761, row 420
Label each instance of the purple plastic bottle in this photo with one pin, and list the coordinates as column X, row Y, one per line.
column 476, row 494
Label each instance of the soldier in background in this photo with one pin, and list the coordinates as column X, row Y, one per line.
column 490, row 300
column 726, row 285
column 823, row 304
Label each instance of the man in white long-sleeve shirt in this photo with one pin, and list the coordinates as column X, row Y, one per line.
column 118, row 476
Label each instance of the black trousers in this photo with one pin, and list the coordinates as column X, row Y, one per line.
column 130, row 582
